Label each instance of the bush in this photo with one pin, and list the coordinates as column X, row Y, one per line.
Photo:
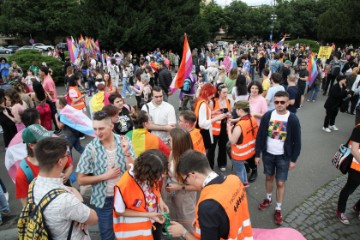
column 25, row 57
column 314, row 46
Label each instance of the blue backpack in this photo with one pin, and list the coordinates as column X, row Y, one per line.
column 186, row 88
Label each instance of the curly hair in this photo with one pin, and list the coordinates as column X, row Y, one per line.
column 149, row 167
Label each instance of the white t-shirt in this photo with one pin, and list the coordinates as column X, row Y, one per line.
column 277, row 132
column 64, row 209
column 271, row 94
column 110, row 184
column 164, row 114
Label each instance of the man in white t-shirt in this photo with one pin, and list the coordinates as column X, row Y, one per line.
column 52, row 156
column 162, row 115
column 276, row 79
column 279, row 143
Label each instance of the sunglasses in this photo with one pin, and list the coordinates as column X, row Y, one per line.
column 279, row 102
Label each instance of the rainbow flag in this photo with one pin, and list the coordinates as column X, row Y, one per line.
column 185, row 67
column 142, row 140
column 312, row 69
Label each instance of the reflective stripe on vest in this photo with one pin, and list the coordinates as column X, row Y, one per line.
column 236, row 207
column 130, row 228
column 197, row 108
column 246, row 149
column 216, row 126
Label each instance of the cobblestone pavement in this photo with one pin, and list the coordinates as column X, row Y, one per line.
column 315, row 218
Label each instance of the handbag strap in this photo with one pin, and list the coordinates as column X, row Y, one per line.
column 70, row 230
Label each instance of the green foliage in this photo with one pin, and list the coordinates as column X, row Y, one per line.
column 314, row 46
column 25, row 57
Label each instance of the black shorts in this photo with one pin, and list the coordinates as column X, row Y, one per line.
column 301, row 86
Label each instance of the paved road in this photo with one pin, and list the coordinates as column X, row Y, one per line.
column 313, row 171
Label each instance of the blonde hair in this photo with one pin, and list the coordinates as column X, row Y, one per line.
column 355, row 71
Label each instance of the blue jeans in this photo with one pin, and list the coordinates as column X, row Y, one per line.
column 105, row 216
column 125, row 87
column 240, row 170
column 4, row 205
column 276, row 165
column 314, row 90
column 75, row 143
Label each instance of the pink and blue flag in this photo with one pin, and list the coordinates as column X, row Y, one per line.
column 276, row 46
column 76, row 119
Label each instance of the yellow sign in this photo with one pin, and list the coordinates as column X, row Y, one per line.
column 324, row 52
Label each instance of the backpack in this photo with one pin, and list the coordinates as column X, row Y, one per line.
column 335, row 69
column 31, row 223
column 186, row 88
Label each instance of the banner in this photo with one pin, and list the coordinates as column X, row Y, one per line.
column 324, row 52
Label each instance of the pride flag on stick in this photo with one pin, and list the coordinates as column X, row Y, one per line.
column 185, row 67
column 312, row 69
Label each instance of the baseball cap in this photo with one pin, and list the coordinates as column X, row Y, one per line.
column 35, row 133
column 288, row 62
column 241, row 104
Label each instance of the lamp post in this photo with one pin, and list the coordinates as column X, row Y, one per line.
column 273, row 19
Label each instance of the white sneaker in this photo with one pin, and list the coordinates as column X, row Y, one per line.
column 333, row 127
column 326, row 129
column 7, row 196
column 223, row 169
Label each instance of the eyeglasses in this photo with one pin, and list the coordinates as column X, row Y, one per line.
column 185, row 179
column 279, row 102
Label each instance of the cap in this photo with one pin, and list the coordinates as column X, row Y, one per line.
column 241, row 104
column 35, row 133
column 288, row 62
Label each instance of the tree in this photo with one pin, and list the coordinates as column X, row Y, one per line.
column 43, row 19
column 214, row 17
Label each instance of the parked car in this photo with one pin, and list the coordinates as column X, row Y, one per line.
column 29, row 47
column 13, row 47
column 43, row 46
column 4, row 50
column 62, row 46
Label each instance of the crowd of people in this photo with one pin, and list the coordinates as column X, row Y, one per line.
column 146, row 159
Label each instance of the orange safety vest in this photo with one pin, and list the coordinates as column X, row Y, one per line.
column 231, row 195
column 79, row 105
column 216, row 126
column 197, row 140
column 246, row 148
column 132, row 228
column 355, row 164
column 197, row 108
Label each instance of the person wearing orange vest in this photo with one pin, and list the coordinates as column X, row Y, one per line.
column 221, row 105
column 138, row 205
column 203, row 113
column 353, row 180
column 187, row 120
column 242, row 137
column 77, row 98
column 222, row 203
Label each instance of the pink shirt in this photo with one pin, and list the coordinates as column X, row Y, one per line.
column 258, row 105
column 50, row 88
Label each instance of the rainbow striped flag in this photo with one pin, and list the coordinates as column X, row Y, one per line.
column 312, row 69
column 185, row 68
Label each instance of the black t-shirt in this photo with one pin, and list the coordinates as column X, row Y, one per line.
column 125, row 124
column 355, row 135
column 213, row 220
column 8, row 126
column 293, row 92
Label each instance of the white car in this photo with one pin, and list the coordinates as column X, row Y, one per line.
column 43, row 46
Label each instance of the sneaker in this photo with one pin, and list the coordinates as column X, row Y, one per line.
column 314, row 101
column 308, row 100
column 57, row 131
column 326, row 129
column 278, row 217
column 333, row 127
column 264, row 204
column 82, row 138
column 223, row 169
column 342, row 217
column 7, row 196
column 246, row 185
column 5, row 213
column 357, row 211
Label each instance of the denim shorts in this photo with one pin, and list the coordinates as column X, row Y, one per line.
column 276, row 165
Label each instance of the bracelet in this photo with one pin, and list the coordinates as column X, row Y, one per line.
column 183, row 235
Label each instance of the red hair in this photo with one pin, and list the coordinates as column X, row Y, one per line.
column 206, row 91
